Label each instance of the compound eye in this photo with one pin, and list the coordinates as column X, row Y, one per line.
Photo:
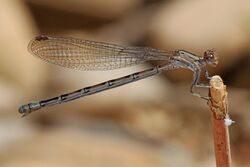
column 209, row 55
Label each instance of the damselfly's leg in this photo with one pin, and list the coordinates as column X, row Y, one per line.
column 207, row 74
column 186, row 60
column 199, row 85
column 195, row 83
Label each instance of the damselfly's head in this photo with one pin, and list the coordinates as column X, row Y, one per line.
column 210, row 57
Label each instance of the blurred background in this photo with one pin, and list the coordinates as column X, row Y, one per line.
column 154, row 122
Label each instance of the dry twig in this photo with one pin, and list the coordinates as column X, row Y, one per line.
column 220, row 121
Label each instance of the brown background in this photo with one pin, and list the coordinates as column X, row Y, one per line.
column 150, row 123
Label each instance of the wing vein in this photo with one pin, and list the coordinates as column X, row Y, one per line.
column 91, row 55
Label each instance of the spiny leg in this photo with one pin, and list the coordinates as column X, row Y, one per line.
column 195, row 83
column 200, row 85
column 188, row 63
column 207, row 74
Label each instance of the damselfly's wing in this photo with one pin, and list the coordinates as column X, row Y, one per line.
column 90, row 55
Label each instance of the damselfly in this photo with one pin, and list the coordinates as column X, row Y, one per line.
column 91, row 55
